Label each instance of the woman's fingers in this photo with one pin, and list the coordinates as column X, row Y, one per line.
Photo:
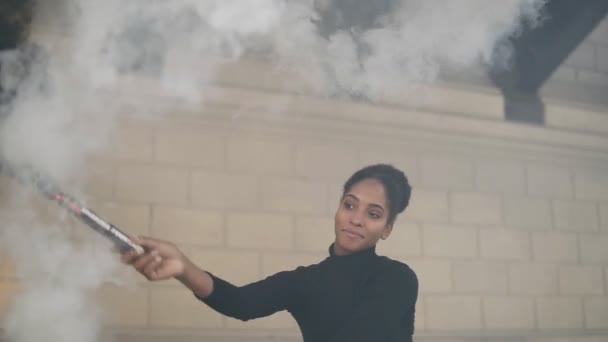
column 130, row 257
column 150, row 270
column 141, row 262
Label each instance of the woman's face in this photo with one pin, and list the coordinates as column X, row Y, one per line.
column 362, row 217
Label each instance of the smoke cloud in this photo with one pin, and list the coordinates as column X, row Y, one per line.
column 72, row 82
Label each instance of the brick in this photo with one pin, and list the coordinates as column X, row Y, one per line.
column 233, row 191
column 602, row 57
column 593, row 77
column 504, row 244
column 263, row 231
column 8, row 291
column 188, row 226
column 334, row 194
column 596, row 311
column 591, row 185
column 434, row 276
column 314, row 234
column 556, row 247
column 500, row 177
column 187, row 146
column 405, row 161
column 533, row 279
column 576, row 119
column 480, row 277
column 583, row 56
column 446, row 173
column 549, row 181
column 508, row 313
column 133, row 219
column 300, row 197
column 261, row 156
column 600, row 33
column 323, row 161
column 604, row 216
column 453, row 313
column 563, row 73
column 419, row 321
column 152, row 184
column 475, row 208
column 237, row 267
column 279, row 321
column 528, row 213
column 428, row 206
column 600, row 338
column 277, row 262
column 405, row 239
column 581, row 280
column 447, row 99
column 99, row 178
column 559, row 313
column 575, row 216
column 178, row 308
column 133, row 142
column 593, row 248
column 449, row 241
column 116, row 313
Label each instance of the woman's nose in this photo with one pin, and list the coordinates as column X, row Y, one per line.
column 356, row 218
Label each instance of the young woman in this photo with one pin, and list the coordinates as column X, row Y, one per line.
column 353, row 295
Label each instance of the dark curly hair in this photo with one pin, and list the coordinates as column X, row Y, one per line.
column 396, row 186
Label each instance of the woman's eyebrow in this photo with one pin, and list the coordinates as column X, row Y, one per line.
column 352, row 196
column 371, row 204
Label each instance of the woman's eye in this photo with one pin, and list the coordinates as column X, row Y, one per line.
column 374, row 215
column 348, row 205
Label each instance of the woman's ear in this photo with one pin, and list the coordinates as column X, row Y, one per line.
column 387, row 231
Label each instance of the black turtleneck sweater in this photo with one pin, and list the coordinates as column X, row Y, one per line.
column 361, row 297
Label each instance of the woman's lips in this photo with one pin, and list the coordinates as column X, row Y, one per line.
column 352, row 234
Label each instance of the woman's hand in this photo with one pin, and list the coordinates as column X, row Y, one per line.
column 162, row 259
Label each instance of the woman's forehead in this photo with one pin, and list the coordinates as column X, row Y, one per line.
column 369, row 191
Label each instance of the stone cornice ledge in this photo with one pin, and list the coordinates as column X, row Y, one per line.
column 256, row 104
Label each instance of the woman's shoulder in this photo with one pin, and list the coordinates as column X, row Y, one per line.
column 397, row 270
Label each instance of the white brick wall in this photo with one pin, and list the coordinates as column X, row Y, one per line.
column 261, row 155
column 555, row 247
column 453, row 313
column 533, row 279
column 507, row 228
column 429, row 206
column 505, row 244
column 504, row 313
column 559, row 312
column 596, row 310
column 531, row 213
column 446, row 172
column 591, row 185
column 476, row 208
column 449, row 241
column 234, row 191
column 188, row 226
column 549, row 181
column 581, row 280
column 434, row 276
column 480, row 277
column 500, row 176
column 593, row 248
column 575, row 216
column 587, row 63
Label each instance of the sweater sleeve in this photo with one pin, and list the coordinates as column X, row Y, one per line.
column 386, row 313
column 259, row 299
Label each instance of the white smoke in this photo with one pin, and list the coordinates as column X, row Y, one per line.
column 81, row 82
